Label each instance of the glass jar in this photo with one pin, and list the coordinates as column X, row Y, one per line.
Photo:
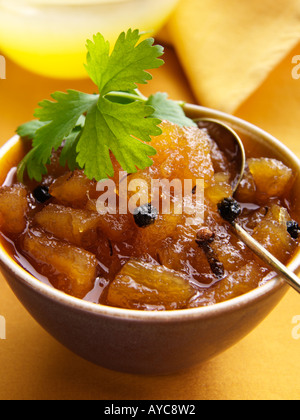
column 49, row 36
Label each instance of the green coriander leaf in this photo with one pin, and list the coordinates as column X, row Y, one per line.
column 126, row 66
column 35, row 169
column 169, row 110
column 97, row 58
column 64, row 115
column 58, row 119
column 118, row 121
column 29, row 129
column 117, row 128
column 93, row 155
column 68, row 154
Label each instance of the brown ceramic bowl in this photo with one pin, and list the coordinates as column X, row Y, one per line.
column 149, row 342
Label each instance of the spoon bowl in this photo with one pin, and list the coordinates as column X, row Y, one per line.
column 232, row 146
column 230, row 143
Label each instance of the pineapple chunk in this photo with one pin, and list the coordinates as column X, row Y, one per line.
column 231, row 252
column 74, row 225
column 140, row 183
column 183, row 153
column 272, row 178
column 116, row 227
column 72, row 189
column 148, row 286
column 74, row 269
column 232, row 286
column 187, row 258
column 221, row 188
column 13, row 209
column 272, row 233
column 151, row 237
column 248, row 277
column 246, row 192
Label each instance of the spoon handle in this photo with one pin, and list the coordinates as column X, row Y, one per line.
column 291, row 278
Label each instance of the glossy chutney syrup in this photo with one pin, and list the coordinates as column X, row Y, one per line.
column 147, row 259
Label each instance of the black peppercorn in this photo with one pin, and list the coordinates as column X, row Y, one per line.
column 41, row 194
column 293, row 229
column 229, row 209
column 145, row 215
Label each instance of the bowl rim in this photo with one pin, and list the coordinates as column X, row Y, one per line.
column 214, row 310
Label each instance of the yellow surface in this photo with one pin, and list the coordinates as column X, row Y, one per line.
column 265, row 365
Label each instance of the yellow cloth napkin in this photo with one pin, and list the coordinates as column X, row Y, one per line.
column 228, row 48
column 237, row 55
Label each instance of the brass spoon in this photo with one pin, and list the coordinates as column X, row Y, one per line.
column 231, row 144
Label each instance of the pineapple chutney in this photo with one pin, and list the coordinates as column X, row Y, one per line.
column 149, row 259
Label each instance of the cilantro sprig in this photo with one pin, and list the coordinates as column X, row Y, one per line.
column 117, row 120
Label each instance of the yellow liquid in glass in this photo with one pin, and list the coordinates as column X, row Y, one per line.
column 48, row 37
